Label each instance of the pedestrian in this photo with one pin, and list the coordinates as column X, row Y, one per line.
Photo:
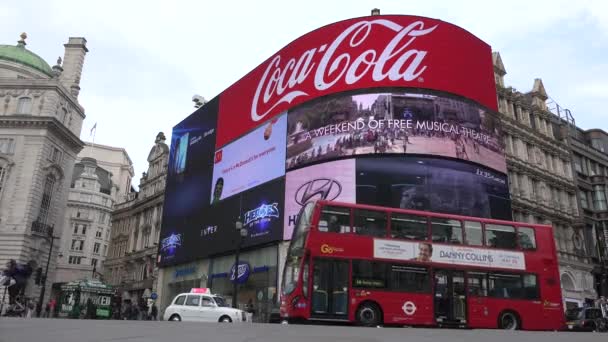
column 52, row 304
column 47, row 310
column 154, row 312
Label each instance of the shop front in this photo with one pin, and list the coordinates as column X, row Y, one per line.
column 179, row 279
column 257, row 289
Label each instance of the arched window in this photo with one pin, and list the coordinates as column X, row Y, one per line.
column 47, row 197
column 24, row 105
column 567, row 282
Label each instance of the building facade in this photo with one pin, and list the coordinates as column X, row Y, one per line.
column 131, row 261
column 40, row 125
column 86, row 228
column 590, row 157
column 541, row 178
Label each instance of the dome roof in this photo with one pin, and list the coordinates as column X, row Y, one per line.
column 19, row 54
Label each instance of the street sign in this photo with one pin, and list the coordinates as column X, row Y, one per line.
column 153, row 296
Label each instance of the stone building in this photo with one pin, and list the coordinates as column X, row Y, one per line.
column 541, row 178
column 590, row 157
column 131, row 261
column 40, row 124
column 101, row 179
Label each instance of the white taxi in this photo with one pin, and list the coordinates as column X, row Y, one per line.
column 201, row 306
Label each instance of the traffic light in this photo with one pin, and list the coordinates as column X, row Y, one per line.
column 38, row 276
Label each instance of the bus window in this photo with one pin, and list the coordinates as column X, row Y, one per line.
column 473, row 234
column 335, row 220
column 500, row 236
column 446, row 231
column 478, row 284
column 531, row 287
column 368, row 274
column 503, row 285
column 409, row 279
column 305, row 278
column 370, row 223
column 526, row 238
column 412, row 227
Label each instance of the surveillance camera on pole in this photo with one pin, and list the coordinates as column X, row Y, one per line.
column 199, row 101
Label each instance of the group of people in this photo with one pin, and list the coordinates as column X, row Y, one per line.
column 135, row 312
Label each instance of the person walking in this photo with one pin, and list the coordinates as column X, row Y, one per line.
column 154, row 312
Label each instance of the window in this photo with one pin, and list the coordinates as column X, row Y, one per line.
column 96, row 247
column 305, row 278
column 84, row 229
column 180, row 300
column 478, row 284
column 99, row 233
column 77, row 245
column 193, row 300
column 47, row 196
column 578, row 163
column 55, row 155
column 598, row 144
column 207, row 301
column 7, row 146
column 473, row 233
column 335, row 220
column 94, row 262
column 105, row 250
column 24, row 105
column 76, row 226
column 412, row 227
column 75, row 260
column 82, row 213
column 531, row 290
column 526, row 238
column 103, row 217
column 584, row 200
column 409, row 279
column 446, row 230
column 370, row 223
column 505, row 285
column 500, row 236
column 599, row 197
column 368, row 274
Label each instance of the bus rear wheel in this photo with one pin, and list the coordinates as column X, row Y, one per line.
column 508, row 320
column 369, row 315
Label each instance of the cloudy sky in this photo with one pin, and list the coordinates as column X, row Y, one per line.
column 147, row 58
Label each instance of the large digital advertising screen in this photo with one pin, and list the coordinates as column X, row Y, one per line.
column 382, row 51
column 433, row 184
column 398, row 122
column 212, row 229
column 252, row 160
column 332, row 181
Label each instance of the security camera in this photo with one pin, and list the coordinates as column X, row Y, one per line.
column 198, row 100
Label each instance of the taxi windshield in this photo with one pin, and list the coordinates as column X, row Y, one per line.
column 220, row 301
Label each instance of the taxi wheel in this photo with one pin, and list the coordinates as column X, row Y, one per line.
column 175, row 318
column 225, row 319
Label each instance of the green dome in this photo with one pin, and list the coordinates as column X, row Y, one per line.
column 21, row 55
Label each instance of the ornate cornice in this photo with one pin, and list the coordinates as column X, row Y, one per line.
column 44, row 122
column 42, row 84
column 525, row 133
column 516, row 164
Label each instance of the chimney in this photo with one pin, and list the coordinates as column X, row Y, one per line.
column 73, row 60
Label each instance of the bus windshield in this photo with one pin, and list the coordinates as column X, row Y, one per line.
column 296, row 247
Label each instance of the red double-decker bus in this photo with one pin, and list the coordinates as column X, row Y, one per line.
column 374, row 265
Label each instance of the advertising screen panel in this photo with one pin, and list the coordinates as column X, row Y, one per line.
column 369, row 52
column 251, row 160
column 332, row 181
column 393, row 122
column 212, row 229
column 433, row 184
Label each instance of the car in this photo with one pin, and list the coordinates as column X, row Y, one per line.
column 202, row 307
column 585, row 319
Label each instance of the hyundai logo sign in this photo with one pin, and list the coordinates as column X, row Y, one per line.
column 320, row 188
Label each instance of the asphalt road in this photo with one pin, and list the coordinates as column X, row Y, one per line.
column 64, row 330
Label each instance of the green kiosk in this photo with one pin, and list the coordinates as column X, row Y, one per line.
column 76, row 294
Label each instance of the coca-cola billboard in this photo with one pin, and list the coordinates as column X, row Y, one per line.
column 368, row 52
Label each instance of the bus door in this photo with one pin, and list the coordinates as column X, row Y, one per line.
column 330, row 289
column 450, row 297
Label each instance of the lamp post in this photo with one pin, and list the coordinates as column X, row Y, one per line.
column 242, row 233
column 51, row 239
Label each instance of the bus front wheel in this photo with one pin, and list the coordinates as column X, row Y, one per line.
column 369, row 314
column 508, row 320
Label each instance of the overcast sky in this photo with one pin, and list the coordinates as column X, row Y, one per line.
column 147, row 58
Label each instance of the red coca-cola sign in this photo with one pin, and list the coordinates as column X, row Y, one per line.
column 368, row 52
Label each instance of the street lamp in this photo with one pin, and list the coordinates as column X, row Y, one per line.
column 242, row 233
column 51, row 239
